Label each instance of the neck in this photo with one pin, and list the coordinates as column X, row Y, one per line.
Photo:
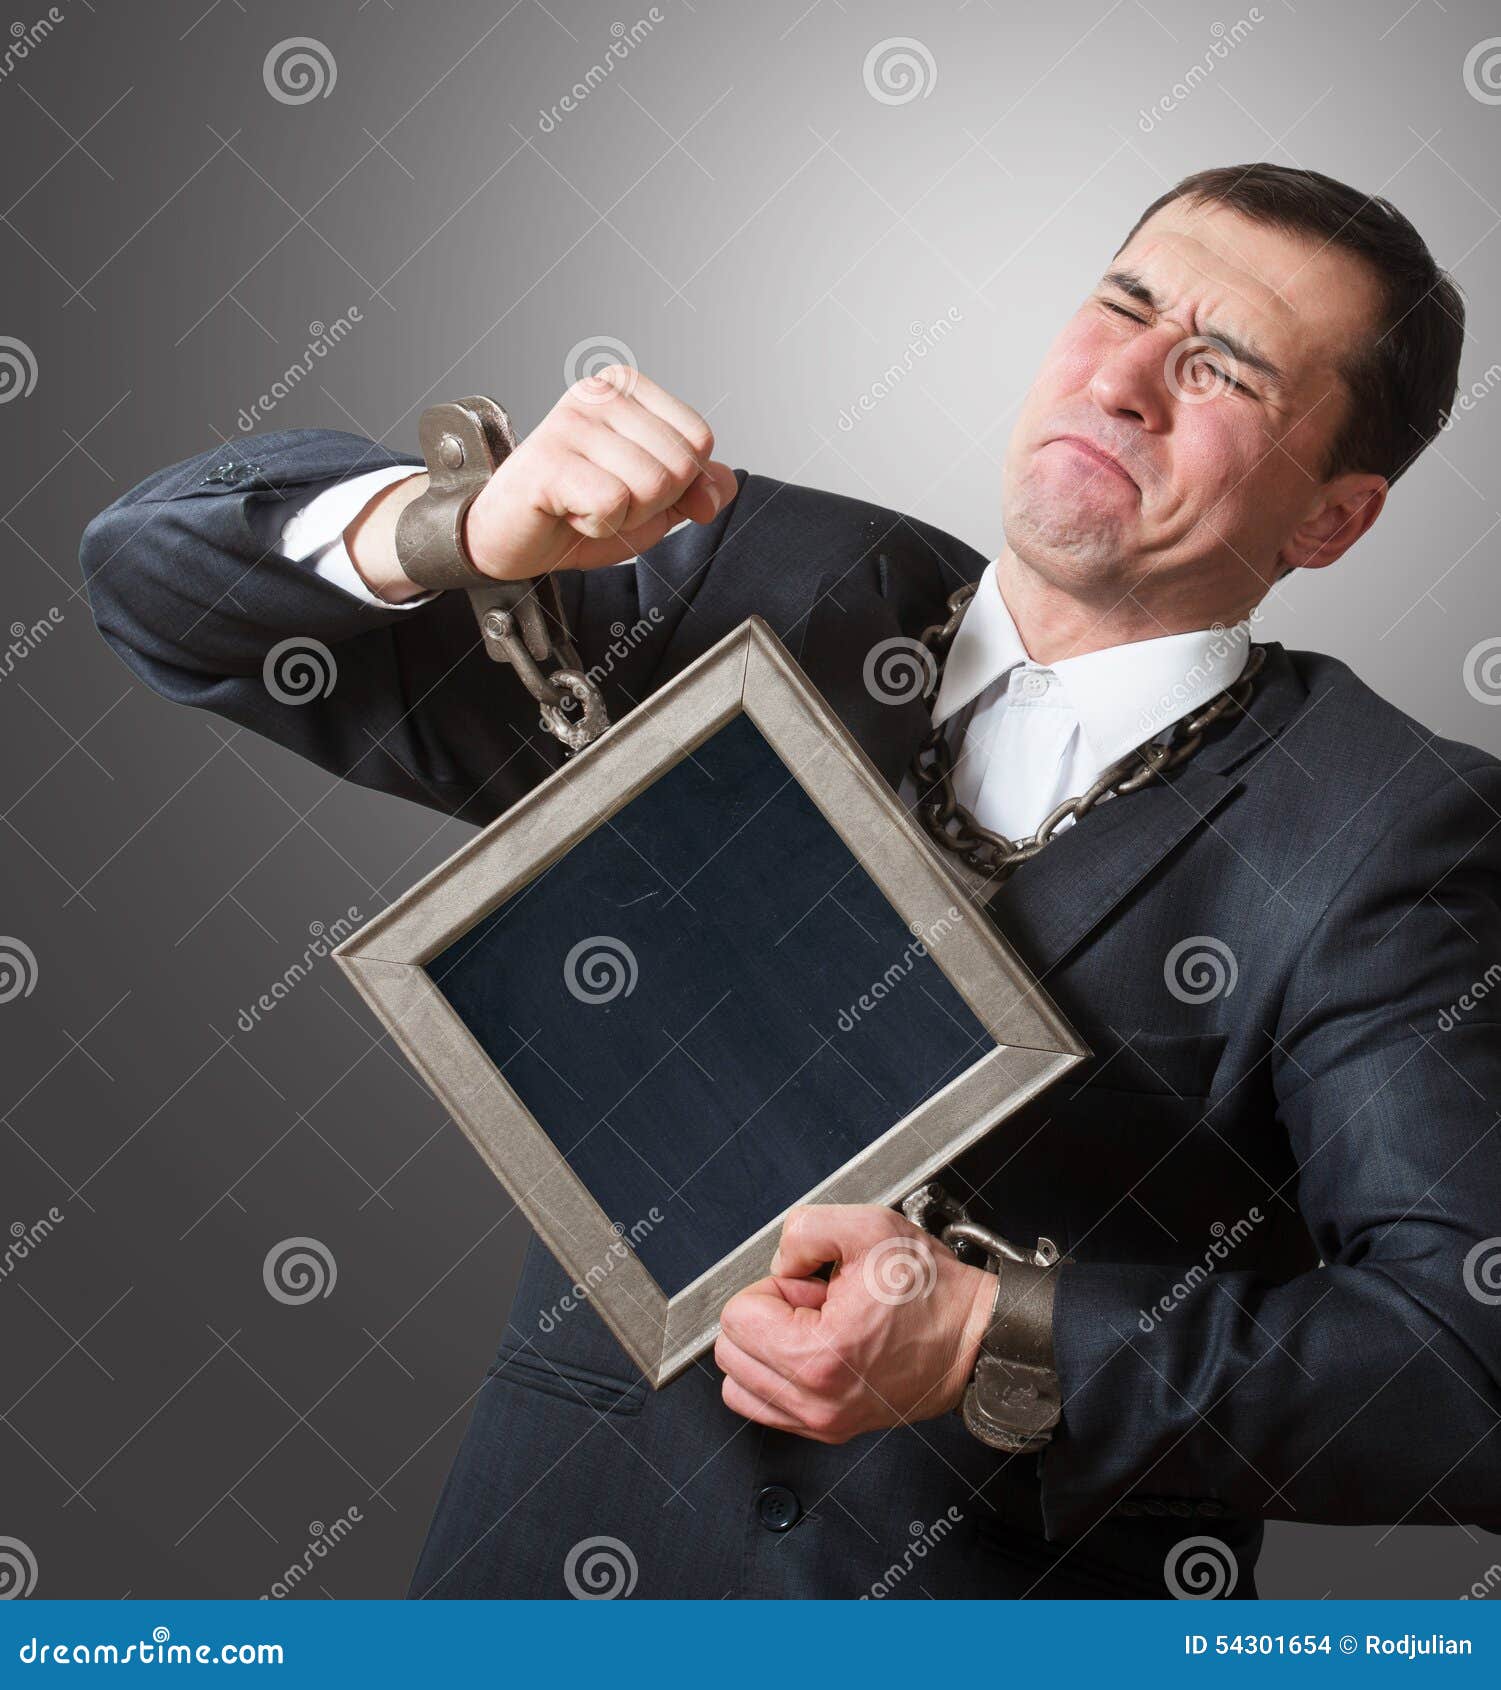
column 1054, row 623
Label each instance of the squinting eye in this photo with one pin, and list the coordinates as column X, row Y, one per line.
column 1224, row 376
column 1121, row 311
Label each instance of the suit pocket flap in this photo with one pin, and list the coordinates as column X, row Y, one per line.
column 523, row 1364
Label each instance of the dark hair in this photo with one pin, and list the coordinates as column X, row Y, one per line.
column 1401, row 387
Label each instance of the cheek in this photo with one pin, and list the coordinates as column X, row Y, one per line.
column 1072, row 360
column 1065, row 370
column 1220, row 454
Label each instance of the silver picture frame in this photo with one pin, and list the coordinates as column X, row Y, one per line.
column 748, row 672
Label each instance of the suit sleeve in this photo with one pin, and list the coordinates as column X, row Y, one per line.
column 190, row 592
column 1367, row 1390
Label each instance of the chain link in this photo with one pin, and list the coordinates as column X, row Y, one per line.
column 993, row 854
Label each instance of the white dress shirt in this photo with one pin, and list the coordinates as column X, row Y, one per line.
column 1030, row 734
column 1033, row 734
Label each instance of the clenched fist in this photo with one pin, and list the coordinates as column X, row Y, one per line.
column 890, row 1338
column 615, row 464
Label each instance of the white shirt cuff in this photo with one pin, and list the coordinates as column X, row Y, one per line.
column 314, row 531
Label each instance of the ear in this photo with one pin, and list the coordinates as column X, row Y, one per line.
column 1345, row 508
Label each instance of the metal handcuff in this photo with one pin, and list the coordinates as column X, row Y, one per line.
column 521, row 622
column 1012, row 1400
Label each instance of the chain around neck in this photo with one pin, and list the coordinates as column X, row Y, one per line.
column 993, row 854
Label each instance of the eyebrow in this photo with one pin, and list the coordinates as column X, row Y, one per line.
column 1130, row 284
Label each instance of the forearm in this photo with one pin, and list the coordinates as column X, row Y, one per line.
column 1336, row 1397
column 197, row 590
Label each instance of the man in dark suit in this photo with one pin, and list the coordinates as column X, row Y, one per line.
column 1278, row 1178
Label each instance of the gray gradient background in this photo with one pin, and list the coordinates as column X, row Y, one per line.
column 736, row 208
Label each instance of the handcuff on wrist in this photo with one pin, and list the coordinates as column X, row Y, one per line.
column 521, row 622
column 1012, row 1400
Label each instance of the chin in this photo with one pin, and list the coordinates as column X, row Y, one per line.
column 1078, row 542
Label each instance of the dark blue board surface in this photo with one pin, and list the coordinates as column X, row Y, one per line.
column 678, row 1002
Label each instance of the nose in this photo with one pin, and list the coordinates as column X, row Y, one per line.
column 1130, row 383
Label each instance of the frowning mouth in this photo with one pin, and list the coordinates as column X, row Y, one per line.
column 1098, row 453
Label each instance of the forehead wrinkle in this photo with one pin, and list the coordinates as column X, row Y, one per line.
column 1202, row 216
column 1233, row 256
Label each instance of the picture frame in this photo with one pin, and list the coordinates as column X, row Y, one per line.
column 737, row 770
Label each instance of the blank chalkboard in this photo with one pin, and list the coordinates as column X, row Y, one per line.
column 707, row 969
column 708, row 1005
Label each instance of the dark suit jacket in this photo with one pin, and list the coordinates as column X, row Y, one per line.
column 1323, row 1137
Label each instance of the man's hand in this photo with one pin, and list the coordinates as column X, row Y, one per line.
column 615, row 464
column 890, row 1338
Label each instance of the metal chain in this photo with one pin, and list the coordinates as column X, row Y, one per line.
column 508, row 639
column 993, row 854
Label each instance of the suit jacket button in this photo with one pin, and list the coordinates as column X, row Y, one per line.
column 1184, row 1510
column 777, row 1508
column 1155, row 1506
column 1211, row 1508
column 1129, row 1508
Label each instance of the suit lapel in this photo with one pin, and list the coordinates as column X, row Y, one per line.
column 847, row 624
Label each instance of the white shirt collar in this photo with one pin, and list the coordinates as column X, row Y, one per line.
column 1122, row 694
